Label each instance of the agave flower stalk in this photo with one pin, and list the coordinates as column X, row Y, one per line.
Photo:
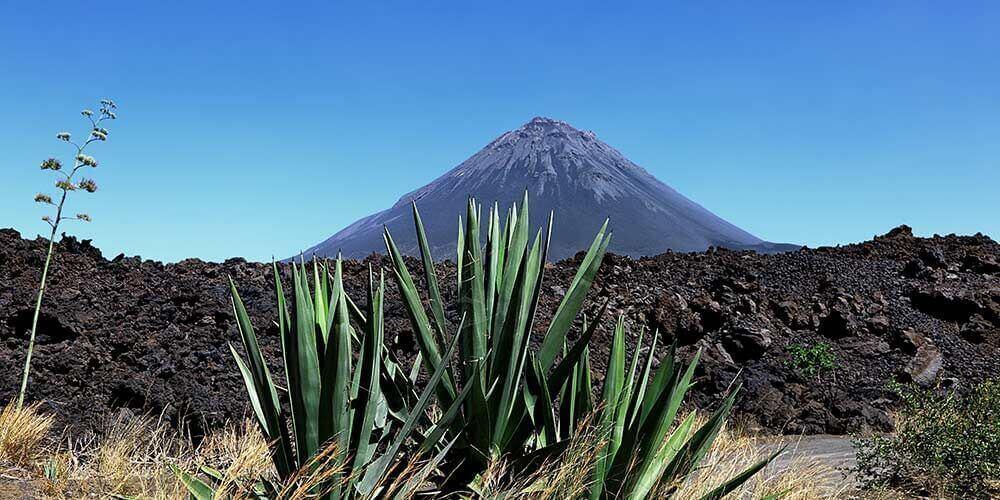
column 65, row 183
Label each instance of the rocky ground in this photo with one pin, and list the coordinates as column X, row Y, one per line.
column 150, row 336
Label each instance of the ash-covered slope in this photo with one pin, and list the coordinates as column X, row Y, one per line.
column 564, row 169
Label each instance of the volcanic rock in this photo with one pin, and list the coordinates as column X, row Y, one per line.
column 139, row 334
column 927, row 361
column 747, row 342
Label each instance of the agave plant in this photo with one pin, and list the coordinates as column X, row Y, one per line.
column 499, row 399
column 340, row 424
column 644, row 445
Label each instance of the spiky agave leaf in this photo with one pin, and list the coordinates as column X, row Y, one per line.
column 637, row 416
column 339, row 410
column 498, row 293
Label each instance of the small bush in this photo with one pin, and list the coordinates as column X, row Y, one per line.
column 811, row 361
column 945, row 444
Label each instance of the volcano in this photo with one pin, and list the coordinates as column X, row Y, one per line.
column 565, row 170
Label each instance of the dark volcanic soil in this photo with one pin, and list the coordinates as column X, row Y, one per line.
column 140, row 334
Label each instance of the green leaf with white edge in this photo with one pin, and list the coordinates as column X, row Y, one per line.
column 260, row 387
column 308, row 390
column 337, row 377
column 512, row 355
column 700, row 442
column 655, row 428
column 611, row 394
column 517, row 246
column 540, row 407
column 426, row 339
column 369, row 364
column 410, row 487
column 639, row 396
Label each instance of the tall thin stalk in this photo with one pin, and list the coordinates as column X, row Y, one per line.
column 65, row 184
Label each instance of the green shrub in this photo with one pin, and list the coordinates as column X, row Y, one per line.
column 945, row 444
column 811, row 361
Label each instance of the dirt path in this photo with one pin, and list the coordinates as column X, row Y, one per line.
column 836, row 453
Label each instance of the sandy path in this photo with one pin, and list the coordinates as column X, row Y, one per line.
column 834, row 452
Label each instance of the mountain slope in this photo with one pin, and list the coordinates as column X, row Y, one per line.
column 564, row 169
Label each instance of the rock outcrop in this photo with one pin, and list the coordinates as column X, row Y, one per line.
column 134, row 333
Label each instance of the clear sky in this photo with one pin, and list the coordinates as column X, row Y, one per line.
column 258, row 129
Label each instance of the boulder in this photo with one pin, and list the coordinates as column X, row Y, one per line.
column 672, row 315
column 977, row 329
column 926, row 362
column 945, row 302
column 982, row 264
column 908, row 340
column 878, row 324
column 840, row 323
column 899, row 232
column 933, row 257
column 925, row 365
column 745, row 343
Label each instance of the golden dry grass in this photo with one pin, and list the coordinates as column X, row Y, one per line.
column 134, row 454
column 791, row 477
column 795, row 478
column 562, row 477
column 132, row 457
column 23, row 432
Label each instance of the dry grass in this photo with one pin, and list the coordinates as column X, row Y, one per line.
column 23, row 432
column 134, row 454
column 130, row 457
column 790, row 476
column 794, row 478
column 240, row 453
column 562, row 477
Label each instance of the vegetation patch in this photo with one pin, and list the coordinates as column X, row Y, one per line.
column 812, row 361
column 945, row 445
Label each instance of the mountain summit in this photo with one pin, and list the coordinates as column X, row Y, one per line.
column 566, row 170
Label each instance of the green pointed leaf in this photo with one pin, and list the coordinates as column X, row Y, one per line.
column 573, row 301
column 261, row 388
column 196, row 487
column 306, row 395
column 437, row 306
column 377, row 469
column 426, row 337
column 646, row 477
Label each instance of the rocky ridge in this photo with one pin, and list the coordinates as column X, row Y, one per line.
column 139, row 334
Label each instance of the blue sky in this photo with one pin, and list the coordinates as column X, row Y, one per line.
column 258, row 129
